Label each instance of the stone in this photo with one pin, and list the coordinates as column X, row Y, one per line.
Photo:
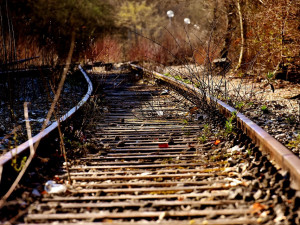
column 257, row 194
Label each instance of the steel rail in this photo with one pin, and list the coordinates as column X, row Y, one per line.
column 277, row 152
column 24, row 146
column 19, row 61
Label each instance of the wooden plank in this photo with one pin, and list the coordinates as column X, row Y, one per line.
column 103, row 215
column 140, row 157
column 131, row 177
column 233, row 221
column 124, row 204
column 139, row 166
column 222, row 193
column 172, row 147
column 152, row 153
column 146, row 151
column 150, row 129
column 210, row 170
column 154, row 190
column 149, row 183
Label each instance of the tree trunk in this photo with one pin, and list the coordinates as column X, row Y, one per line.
column 242, row 35
column 230, row 7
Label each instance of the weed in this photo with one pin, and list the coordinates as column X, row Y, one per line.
column 187, row 81
column 178, row 77
column 295, row 143
column 264, row 109
column 187, row 133
column 228, row 127
column 270, row 76
column 228, row 123
column 185, row 122
column 239, row 105
column 249, row 151
column 207, row 130
column 240, row 74
column 205, row 133
column 202, row 139
column 291, row 120
column 14, row 163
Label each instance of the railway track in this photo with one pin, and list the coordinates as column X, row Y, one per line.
column 149, row 167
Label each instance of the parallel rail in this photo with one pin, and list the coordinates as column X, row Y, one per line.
column 26, row 145
column 145, row 165
column 277, row 152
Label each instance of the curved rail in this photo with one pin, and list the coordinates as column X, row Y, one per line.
column 278, row 153
column 24, row 146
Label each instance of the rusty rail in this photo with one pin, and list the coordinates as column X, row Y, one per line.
column 25, row 146
column 148, row 165
column 277, row 152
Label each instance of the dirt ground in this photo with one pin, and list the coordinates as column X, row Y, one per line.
column 273, row 104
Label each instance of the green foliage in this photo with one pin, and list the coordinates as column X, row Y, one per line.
column 68, row 15
column 270, row 76
column 239, row 105
column 295, row 143
column 178, row 77
column 291, row 119
column 202, row 139
column 187, row 133
column 264, row 109
column 206, row 132
column 228, row 123
column 249, row 151
column 14, row 163
column 228, row 127
column 187, row 81
column 140, row 17
column 185, row 122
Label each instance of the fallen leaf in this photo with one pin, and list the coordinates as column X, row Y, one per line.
column 180, row 198
column 44, row 192
column 193, row 110
column 217, row 142
column 191, row 222
column 257, row 207
column 163, row 145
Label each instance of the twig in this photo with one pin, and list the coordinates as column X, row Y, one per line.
column 32, row 151
column 33, row 148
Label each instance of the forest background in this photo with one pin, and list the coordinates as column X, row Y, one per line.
column 260, row 35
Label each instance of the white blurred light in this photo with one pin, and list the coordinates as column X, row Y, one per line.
column 170, row 14
column 187, row 21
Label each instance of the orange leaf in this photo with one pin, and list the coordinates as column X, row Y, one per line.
column 217, row 142
column 44, row 192
column 180, row 198
column 257, row 207
column 193, row 109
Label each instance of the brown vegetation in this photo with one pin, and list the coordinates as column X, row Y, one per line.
column 263, row 34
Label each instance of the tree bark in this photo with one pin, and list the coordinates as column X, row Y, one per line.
column 230, row 7
column 242, row 35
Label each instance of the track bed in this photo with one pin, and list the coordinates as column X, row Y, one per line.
column 152, row 169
